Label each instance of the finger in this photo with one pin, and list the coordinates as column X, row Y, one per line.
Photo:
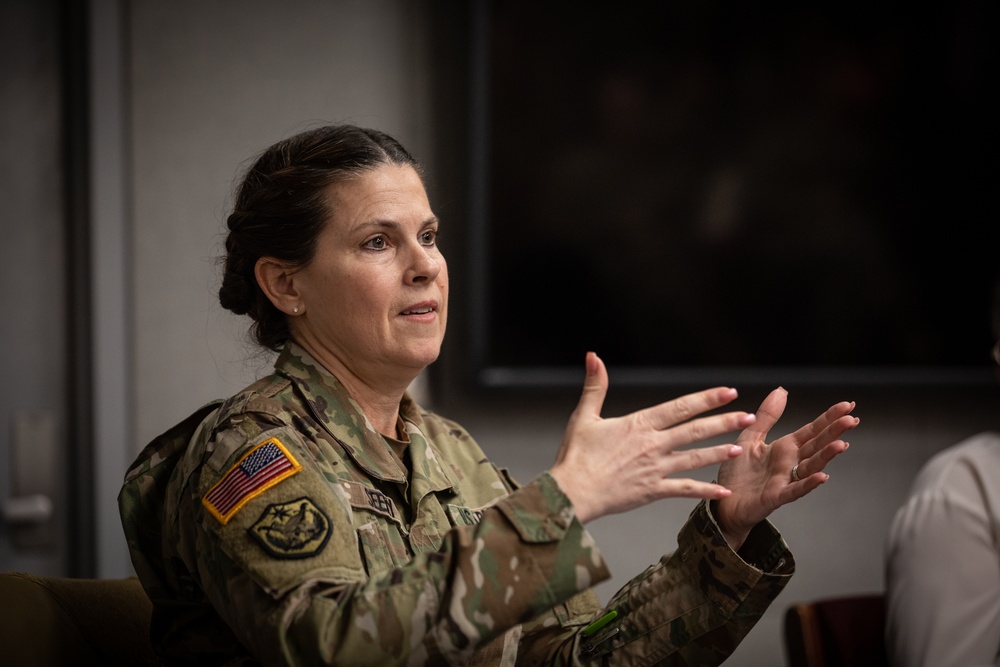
column 665, row 415
column 595, row 388
column 818, row 461
column 768, row 414
column 796, row 490
column 703, row 428
column 690, row 488
column 693, row 459
column 832, row 432
column 825, row 420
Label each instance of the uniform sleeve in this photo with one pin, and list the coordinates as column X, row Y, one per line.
column 942, row 583
column 693, row 607
column 285, row 572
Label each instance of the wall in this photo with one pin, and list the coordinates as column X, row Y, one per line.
column 211, row 83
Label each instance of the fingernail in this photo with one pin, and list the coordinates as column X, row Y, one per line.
column 748, row 419
column 735, row 450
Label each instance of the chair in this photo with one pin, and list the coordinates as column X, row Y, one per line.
column 63, row 621
column 838, row 631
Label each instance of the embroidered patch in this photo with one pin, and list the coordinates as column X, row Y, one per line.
column 261, row 468
column 367, row 498
column 464, row 516
column 380, row 502
column 296, row 529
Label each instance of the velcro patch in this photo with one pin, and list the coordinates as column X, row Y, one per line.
column 373, row 500
column 257, row 471
column 464, row 516
column 296, row 529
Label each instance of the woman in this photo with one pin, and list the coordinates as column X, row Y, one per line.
column 321, row 517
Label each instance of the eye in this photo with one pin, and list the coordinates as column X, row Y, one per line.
column 376, row 243
column 428, row 237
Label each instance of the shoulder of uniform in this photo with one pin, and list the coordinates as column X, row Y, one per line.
column 266, row 400
column 245, row 418
column 162, row 451
column 436, row 425
column 264, row 395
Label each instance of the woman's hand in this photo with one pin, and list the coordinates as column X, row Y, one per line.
column 762, row 480
column 607, row 466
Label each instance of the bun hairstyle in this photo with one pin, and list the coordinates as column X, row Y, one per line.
column 281, row 207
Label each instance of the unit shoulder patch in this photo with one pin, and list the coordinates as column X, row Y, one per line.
column 296, row 529
column 258, row 470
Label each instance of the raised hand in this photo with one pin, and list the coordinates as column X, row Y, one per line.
column 613, row 465
column 762, row 479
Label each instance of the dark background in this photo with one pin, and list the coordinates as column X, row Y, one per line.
column 718, row 186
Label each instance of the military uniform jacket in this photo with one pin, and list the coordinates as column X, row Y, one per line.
column 278, row 527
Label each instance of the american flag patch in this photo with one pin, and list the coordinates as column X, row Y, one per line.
column 261, row 468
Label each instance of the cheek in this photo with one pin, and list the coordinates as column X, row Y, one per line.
column 442, row 281
column 442, row 278
column 376, row 294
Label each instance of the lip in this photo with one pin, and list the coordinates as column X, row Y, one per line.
column 421, row 310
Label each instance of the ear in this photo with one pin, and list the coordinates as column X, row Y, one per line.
column 277, row 281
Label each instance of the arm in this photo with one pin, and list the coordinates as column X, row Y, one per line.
column 691, row 608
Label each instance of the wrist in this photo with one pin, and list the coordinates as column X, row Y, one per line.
column 734, row 537
column 566, row 483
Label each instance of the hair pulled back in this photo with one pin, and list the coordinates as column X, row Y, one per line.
column 281, row 207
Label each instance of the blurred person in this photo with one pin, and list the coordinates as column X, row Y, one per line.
column 943, row 555
column 321, row 516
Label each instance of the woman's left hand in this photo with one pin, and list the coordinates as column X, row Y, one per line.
column 761, row 480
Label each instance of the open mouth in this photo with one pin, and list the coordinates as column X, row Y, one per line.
column 419, row 310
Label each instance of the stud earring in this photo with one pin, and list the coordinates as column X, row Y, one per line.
column 295, row 309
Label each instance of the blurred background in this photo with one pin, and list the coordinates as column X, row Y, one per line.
column 643, row 181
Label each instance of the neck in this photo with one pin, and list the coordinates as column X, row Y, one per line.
column 377, row 393
column 381, row 408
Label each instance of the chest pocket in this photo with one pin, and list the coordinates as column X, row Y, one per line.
column 382, row 537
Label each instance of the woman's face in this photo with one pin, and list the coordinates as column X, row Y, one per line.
column 375, row 294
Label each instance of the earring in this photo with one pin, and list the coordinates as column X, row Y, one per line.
column 295, row 309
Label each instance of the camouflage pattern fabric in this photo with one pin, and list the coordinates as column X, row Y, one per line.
column 278, row 527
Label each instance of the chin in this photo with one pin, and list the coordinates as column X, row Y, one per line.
column 422, row 358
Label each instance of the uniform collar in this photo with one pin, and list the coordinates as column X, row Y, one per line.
column 332, row 406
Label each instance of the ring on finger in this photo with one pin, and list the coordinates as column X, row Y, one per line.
column 795, row 472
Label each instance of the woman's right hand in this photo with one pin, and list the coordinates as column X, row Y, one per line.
column 607, row 466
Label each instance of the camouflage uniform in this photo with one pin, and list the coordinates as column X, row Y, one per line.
column 280, row 525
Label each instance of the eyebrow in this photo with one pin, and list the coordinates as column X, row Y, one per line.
column 392, row 224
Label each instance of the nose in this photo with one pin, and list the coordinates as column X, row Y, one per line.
column 424, row 265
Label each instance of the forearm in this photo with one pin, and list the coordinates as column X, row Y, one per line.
column 694, row 606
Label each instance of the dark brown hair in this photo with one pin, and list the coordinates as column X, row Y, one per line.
column 281, row 207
